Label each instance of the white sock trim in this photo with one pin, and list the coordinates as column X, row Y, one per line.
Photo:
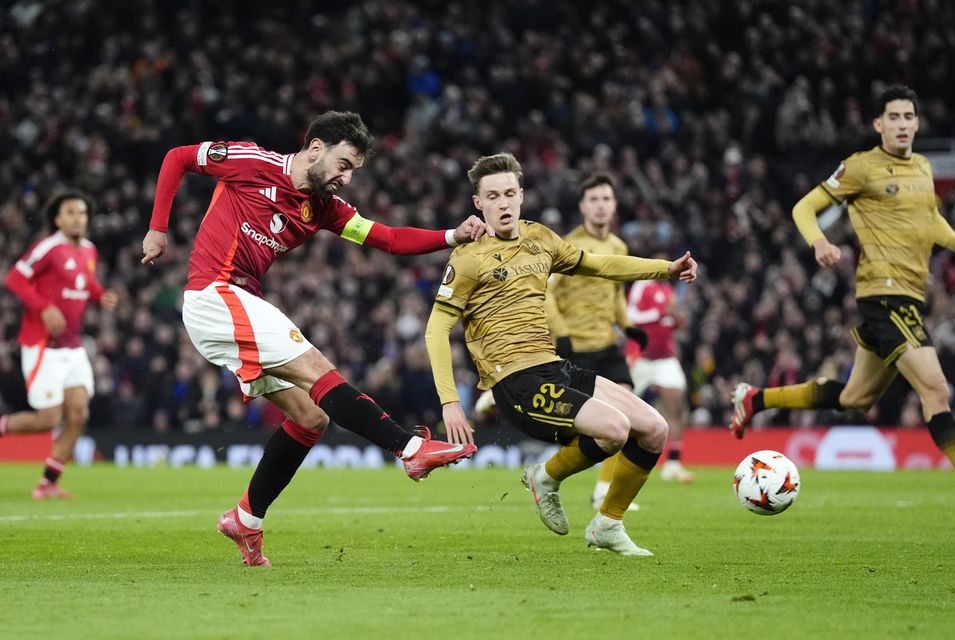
column 248, row 519
column 412, row 447
column 544, row 479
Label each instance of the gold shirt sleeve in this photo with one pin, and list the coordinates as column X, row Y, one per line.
column 623, row 268
column 437, row 339
column 806, row 210
column 942, row 232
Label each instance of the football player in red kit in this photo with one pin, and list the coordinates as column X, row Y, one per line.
column 55, row 280
column 264, row 205
column 652, row 307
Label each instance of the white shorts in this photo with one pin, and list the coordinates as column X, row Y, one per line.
column 665, row 372
column 48, row 372
column 234, row 329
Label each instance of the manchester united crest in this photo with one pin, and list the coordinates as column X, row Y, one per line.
column 306, row 211
column 295, row 336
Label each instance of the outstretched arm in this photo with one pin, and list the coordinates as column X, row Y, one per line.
column 942, row 232
column 437, row 338
column 626, row 268
column 412, row 240
column 804, row 214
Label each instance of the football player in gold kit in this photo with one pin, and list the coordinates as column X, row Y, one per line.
column 894, row 211
column 497, row 290
column 584, row 313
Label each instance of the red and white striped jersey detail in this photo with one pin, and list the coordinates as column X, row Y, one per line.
column 25, row 264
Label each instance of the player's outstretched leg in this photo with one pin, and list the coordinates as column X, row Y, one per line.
column 743, row 411
column 431, row 454
column 357, row 412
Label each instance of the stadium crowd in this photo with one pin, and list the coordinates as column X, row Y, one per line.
column 714, row 117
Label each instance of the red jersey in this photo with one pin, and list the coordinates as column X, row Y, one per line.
column 648, row 307
column 256, row 215
column 55, row 272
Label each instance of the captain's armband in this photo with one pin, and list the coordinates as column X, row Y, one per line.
column 356, row 230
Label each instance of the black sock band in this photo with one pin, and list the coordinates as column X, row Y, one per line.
column 942, row 429
column 758, row 403
column 591, row 449
column 827, row 395
column 640, row 456
column 357, row 412
column 282, row 457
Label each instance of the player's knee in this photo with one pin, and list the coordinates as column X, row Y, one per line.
column 316, row 421
column 77, row 416
column 651, row 427
column 658, row 427
column 859, row 404
column 48, row 420
column 616, row 430
column 936, row 393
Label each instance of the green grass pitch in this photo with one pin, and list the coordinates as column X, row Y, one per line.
column 369, row 554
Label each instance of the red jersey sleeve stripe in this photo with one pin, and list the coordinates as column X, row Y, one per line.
column 251, row 368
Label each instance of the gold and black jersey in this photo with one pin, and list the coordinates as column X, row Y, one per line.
column 498, row 288
column 584, row 308
column 892, row 205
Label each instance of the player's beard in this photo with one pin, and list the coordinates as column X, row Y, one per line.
column 316, row 180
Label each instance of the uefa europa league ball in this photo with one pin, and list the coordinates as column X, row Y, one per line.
column 766, row 482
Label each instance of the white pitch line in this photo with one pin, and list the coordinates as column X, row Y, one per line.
column 129, row 515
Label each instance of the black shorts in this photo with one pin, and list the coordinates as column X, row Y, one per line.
column 543, row 401
column 608, row 363
column 888, row 324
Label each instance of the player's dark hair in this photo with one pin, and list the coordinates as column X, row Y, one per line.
column 52, row 207
column 896, row 92
column 498, row 163
column 333, row 127
column 591, row 181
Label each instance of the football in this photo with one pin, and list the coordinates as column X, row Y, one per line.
column 766, row 482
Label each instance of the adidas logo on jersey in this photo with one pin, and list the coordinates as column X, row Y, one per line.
column 268, row 192
column 70, row 264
